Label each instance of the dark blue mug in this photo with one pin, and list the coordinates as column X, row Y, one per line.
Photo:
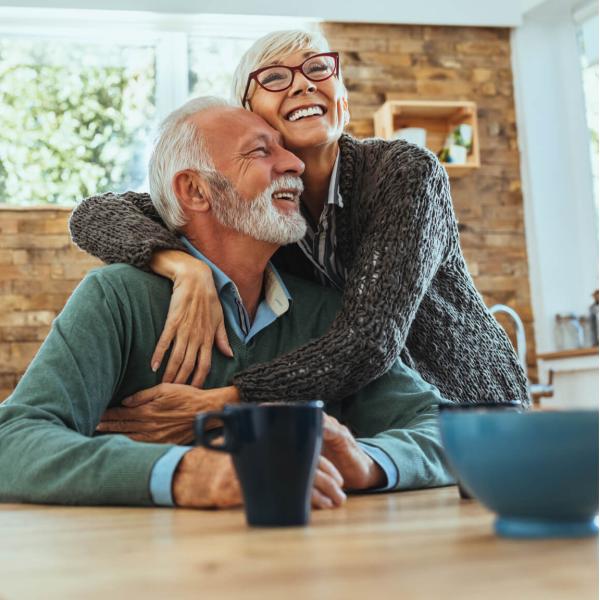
column 275, row 450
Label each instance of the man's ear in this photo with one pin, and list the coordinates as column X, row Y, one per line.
column 192, row 191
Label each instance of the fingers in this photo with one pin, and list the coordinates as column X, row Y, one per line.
column 175, row 360
column 327, row 486
column 163, row 344
column 125, row 426
column 141, row 427
column 222, row 341
column 331, row 427
column 319, row 500
column 142, row 397
column 330, row 469
column 187, row 366
column 162, row 435
column 204, row 363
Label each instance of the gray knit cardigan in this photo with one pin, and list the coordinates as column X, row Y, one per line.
column 408, row 290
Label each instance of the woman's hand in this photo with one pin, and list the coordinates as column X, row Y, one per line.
column 164, row 413
column 194, row 321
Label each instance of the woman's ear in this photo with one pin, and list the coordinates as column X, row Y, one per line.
column 192, row 191
column 346, row 109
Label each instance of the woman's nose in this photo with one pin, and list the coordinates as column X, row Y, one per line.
column 301, row 84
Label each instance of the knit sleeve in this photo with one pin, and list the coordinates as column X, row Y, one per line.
column 121, row 228
column 406, row 239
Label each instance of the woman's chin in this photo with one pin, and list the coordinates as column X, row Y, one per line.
column 309, row 138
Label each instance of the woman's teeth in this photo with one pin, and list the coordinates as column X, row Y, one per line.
column 305, row 112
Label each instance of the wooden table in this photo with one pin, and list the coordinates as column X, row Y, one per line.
column 424, row 544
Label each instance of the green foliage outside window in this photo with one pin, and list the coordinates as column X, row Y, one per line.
column 212, row 62
column 74, row 119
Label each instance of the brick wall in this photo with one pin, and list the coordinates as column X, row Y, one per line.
column 455, row 63
column 39, row 268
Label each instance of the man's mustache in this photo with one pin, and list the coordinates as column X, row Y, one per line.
column 286, row 183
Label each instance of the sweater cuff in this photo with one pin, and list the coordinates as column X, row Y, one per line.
column 385, row 462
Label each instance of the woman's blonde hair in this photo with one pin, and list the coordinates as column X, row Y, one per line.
column 271, row 47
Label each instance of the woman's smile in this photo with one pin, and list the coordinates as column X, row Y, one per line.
column 308, row 111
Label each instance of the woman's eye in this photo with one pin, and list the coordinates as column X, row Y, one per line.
column 271, row 78
column 318, row 67
column 261, row 150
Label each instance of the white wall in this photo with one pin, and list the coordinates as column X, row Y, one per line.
column 556, row 170
column 431, row 12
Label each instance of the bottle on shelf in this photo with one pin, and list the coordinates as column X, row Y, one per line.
column 594, row 319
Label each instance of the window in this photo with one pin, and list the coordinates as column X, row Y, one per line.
column 81, row 93
column 588, row 44
column 74, row 118
column 212, row 61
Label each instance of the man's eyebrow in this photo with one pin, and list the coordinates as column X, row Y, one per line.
column 264, row 138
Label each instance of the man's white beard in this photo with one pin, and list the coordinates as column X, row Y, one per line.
column 258, row 218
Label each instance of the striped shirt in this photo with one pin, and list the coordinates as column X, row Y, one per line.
column 319, row 243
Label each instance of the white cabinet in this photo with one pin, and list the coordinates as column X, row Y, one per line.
column 575, row 378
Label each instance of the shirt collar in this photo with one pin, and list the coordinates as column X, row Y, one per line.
column 277, row 296
column 333, row 195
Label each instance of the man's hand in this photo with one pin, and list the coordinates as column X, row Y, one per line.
column 206, row 479
column 359, row 470
column 327, row 488
column 165, row 413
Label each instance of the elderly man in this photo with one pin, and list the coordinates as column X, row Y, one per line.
column 220, row 176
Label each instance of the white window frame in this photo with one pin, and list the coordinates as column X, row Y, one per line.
column 169, row 34
column 562, row 243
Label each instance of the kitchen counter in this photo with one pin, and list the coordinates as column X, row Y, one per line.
column 573, row 353
column 574, row 376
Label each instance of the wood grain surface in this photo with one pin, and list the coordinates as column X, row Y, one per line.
column 421, row 544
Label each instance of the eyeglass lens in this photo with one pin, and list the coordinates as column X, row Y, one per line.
column 316, row 68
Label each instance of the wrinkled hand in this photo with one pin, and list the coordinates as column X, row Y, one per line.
column 164, row 413
column 206, row 479
column 358, row 469
column 327, row 488
column 194, row 322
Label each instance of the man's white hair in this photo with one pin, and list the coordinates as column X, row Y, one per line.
column 179, row 146
column 269, row 48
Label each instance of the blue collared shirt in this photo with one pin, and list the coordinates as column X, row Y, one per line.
column 276, row 302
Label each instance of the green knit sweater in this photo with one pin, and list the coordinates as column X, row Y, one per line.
column 98, row 352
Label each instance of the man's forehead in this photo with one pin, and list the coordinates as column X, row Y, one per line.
column 238, row 126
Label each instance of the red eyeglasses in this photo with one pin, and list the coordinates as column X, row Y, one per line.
column 318, row 67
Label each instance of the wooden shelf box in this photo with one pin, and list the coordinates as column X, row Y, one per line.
column 439, row 118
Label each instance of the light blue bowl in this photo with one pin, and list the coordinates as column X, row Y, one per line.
column 537, row 470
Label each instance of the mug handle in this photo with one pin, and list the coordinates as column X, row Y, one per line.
column 205, row 437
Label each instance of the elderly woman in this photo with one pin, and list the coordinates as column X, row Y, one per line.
column 381, row 228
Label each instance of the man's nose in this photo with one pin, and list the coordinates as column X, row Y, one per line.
column 288, row 163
